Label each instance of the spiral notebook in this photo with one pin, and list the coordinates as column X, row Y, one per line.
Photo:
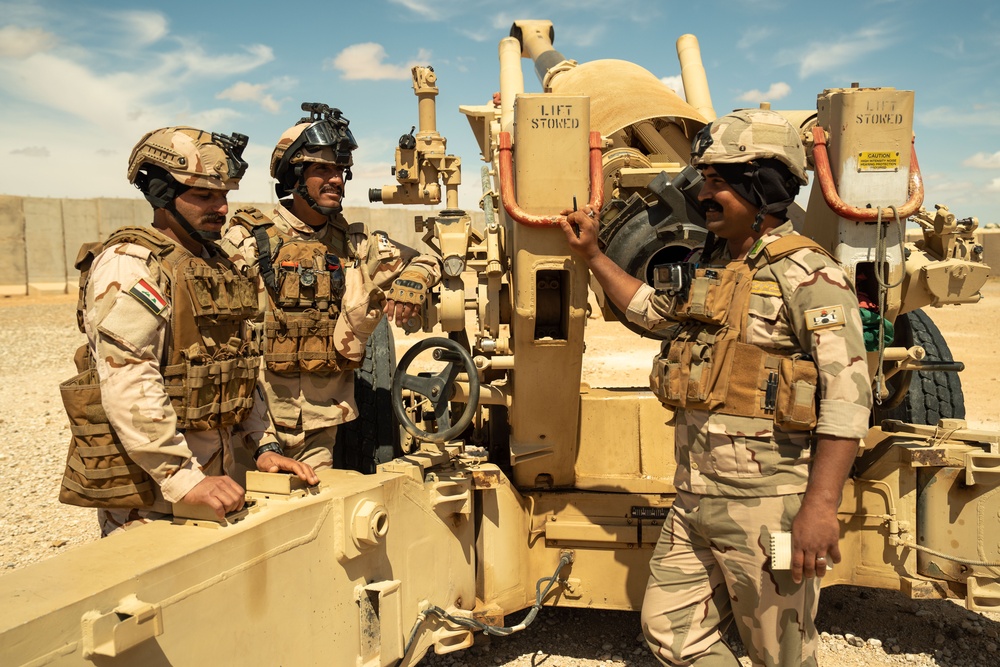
column 781, row 551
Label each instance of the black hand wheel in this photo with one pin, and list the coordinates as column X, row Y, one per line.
column 434, row 392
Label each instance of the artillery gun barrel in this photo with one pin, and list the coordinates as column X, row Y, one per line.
column 694, row 77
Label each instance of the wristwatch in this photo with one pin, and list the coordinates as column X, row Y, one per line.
column 269, row 447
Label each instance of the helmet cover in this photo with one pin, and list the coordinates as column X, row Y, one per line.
column 747, row 135
column 192, row 157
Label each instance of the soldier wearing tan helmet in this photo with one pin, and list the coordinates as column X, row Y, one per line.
column 325, row 284
column 168, row 370
column 767, row 373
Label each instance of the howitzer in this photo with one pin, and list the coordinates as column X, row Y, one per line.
column 523, row 487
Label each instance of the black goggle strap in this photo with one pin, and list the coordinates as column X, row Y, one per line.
column 702, row 140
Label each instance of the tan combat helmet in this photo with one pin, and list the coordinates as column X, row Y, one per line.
column 192, row 157
column 759, row 154
column 323, row 137
column 750, row 134
column 168, row 161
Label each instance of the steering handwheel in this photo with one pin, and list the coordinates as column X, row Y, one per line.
column 436, row 390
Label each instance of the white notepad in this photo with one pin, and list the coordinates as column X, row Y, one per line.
column 781, row 551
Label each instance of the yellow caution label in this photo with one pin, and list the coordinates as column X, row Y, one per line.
column 878, row 161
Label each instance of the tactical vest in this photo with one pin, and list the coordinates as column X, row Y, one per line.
column 305, row 286
column 708, row 366
column 209, row 370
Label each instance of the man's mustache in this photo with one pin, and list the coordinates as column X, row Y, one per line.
column 710, row 205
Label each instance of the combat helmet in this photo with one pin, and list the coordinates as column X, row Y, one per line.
column 169, row 161
column 758, row 153
column 323, row 136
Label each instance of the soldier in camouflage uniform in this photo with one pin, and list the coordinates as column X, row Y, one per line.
column 767, row 373
column 321, row 282
column 160, row 331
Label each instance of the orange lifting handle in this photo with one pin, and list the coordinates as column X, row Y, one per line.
column 507, row 184
column 825, row 175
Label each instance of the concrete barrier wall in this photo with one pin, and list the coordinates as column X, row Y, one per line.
column 42, row 236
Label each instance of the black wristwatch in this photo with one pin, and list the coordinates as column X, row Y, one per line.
column 269, row 447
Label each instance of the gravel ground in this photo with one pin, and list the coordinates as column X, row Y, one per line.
column 861, row 627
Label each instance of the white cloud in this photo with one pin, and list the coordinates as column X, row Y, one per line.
column 480, row 35
column 983, row 161
column 819, row 57
column 674, row 83
column 775, row 92
column 366, row 62
column 31, row 151
column 251, row 92
column 143, row 28
column 754, row 36
column 108, row 77
column 17, row 42
column 195, row 60
column 994, row 185
column 417, row 7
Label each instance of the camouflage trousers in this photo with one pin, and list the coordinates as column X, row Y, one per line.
column 314, row 447
column 711, row 567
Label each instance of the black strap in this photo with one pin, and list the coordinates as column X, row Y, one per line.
column 264, row 260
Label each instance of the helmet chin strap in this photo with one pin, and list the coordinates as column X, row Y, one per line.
column 328, row 211
column 195, row 234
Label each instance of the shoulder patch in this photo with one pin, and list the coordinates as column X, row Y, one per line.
column 765, row 288
column 826, row 317
column 384, row 244
column 144, row 292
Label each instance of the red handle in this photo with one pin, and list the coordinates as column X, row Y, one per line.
column 507, row 184
column 825, row 175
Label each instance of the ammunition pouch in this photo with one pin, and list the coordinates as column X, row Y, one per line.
column 707, row 367
column 209, row 392
column 303, row 343
column 305, row 304
column 99, row 472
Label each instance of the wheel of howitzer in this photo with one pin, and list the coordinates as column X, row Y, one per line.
column 931, row 395
column 373, row 437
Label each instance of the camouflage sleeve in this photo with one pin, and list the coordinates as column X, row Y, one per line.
column 239, row 246
column 823, row 312
column 385, row 261
column 257, row 425
column 126, row 322
column 650, row 309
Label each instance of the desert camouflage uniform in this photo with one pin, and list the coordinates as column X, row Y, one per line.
column 741, row 478
column 307, row 407
column 127, row 342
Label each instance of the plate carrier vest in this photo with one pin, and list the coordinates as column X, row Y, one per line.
column 707, row 366
column 209, row 369
column 305, row 287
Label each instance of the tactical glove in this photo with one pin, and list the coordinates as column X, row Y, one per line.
column 409, row 287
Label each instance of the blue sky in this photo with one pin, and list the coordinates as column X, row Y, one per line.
column 81, row 81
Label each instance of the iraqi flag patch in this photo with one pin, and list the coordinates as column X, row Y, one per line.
column 147, row 295
column 827, row 317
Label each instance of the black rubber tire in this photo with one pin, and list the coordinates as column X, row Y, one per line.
column 932, row 395
column 374, row 437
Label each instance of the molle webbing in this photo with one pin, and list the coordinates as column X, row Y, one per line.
column 99, row 471
column 707, row 366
